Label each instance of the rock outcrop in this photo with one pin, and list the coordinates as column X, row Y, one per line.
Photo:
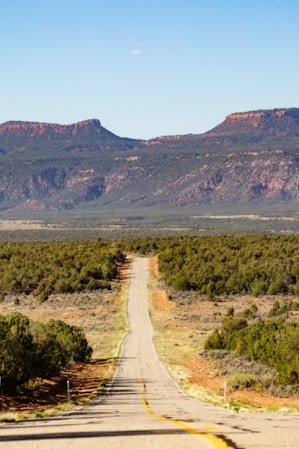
column 276, row 120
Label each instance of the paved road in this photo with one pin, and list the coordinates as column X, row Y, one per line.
column 144, row 407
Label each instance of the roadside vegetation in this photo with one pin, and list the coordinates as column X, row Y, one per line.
column 274, row 343
column 199, row 269
column 32, row 350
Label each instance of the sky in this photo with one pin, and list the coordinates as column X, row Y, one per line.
column 147, row 68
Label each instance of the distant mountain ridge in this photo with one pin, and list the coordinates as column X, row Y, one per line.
column 263, row 118
column 87, row 132
column 261, row 125
column 33, row 128
column 250, row 156
column 278, row 121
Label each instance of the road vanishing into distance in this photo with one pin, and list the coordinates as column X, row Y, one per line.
column 144, row 408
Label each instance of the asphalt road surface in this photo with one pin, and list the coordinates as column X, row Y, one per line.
column 144, row 408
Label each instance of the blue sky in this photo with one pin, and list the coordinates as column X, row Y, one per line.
column 147, row 68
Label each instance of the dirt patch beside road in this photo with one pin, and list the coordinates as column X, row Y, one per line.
column 201, row 373
column 85, row 380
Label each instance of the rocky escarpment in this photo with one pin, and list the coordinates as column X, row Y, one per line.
column 14, row 129
column 274, row 175
column 245, row 129
column 16, row 136
column 277, row 121
column 250, row 156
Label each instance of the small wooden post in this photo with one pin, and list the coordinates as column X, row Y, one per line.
column 204, row 356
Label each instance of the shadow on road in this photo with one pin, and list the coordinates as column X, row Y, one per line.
column 95, row 434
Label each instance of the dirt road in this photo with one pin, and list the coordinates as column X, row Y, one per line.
column 144, row 407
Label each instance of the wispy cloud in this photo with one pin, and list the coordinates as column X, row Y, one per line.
column 135, row 52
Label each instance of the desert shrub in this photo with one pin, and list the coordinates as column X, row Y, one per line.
column 259, row 287
column 56, row 345
column 251, row 381
column 247, row 314
column 29, row 350
column 284, row 390
column 16, row 349
column 279, row 308
column 242, row 380
column 215, row 340
column 273, row 343
column 230, row 311
column 243, row 373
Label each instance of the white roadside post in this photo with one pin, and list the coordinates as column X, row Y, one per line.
column 68, row 390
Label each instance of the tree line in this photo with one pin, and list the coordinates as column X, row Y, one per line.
column 224, row 265
column 43, row 268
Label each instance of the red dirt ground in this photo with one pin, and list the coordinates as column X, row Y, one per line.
column 84, row 379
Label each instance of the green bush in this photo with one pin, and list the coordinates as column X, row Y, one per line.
column 17, row 350
column 242, row 380
column 272, row 343
column 29, row 350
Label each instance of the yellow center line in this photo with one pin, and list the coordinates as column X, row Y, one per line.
column 216, row 441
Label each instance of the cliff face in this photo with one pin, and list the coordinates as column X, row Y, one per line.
column 32, row 129
column 276, row 120
column 88, row 134
column 249, row 156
